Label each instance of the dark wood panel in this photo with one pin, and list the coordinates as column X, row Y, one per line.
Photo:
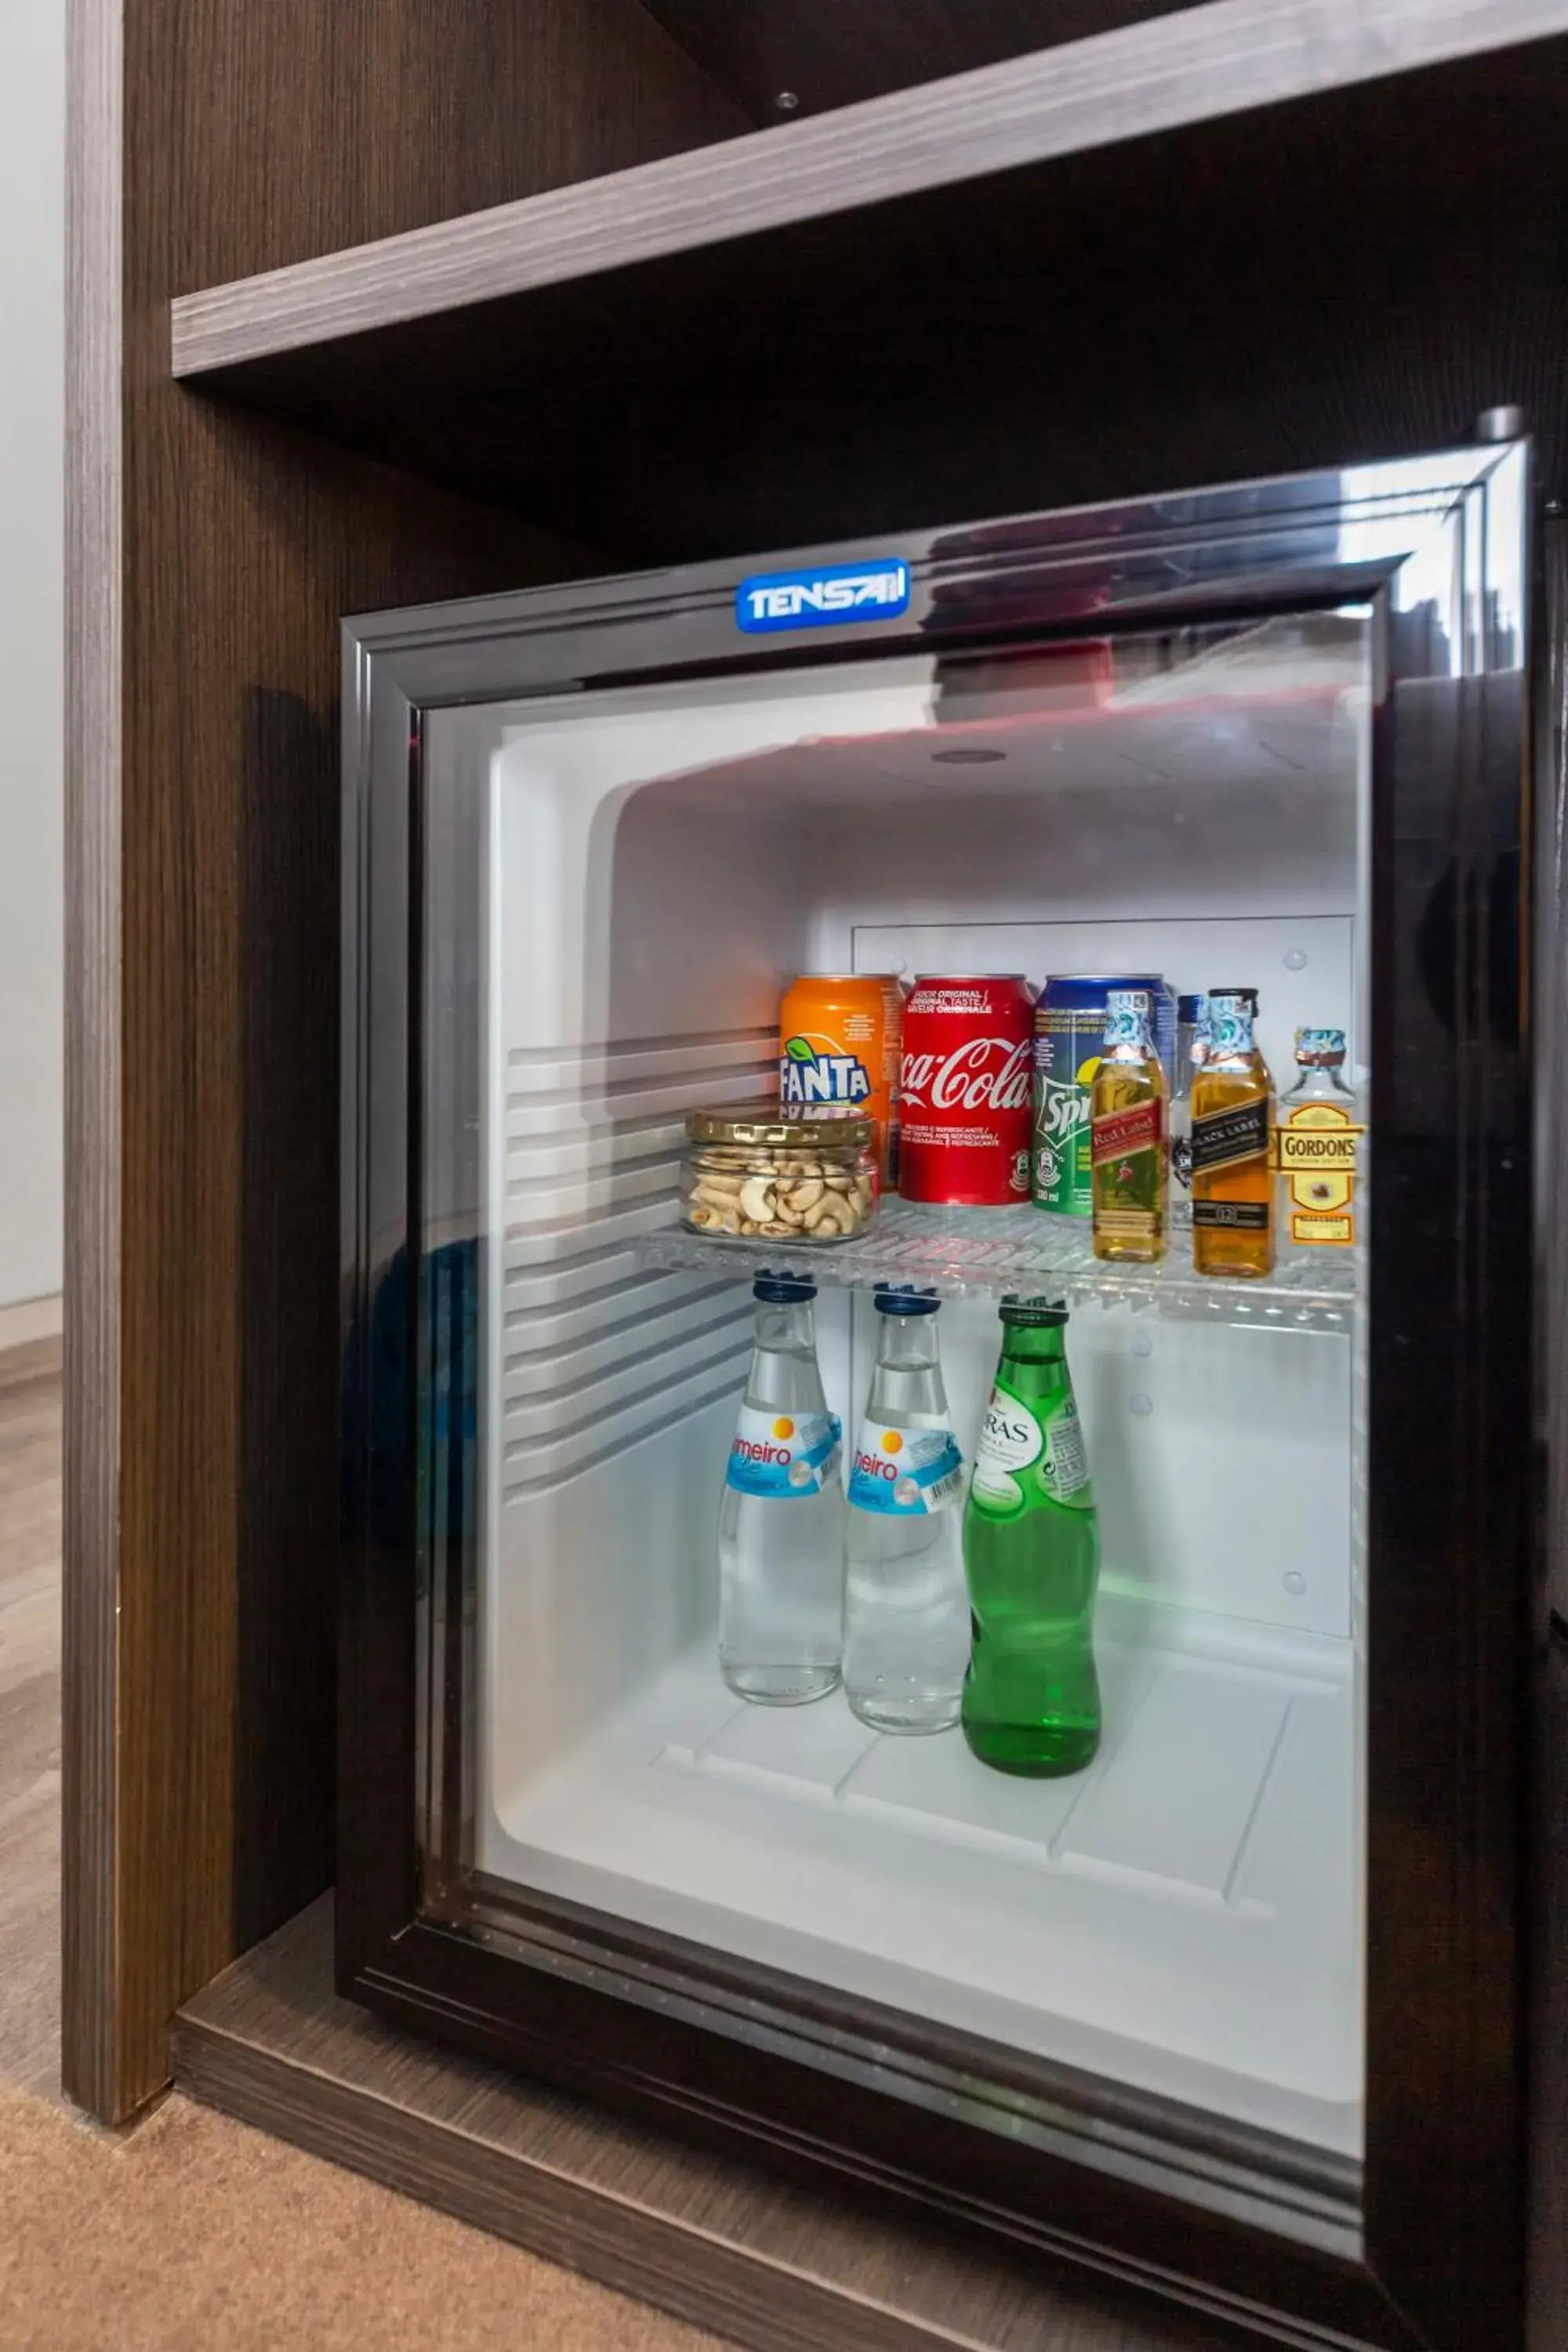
column 774, row 2265
column 296, row 127
column 1223, row 302
column 1549, row 1843
column 213, row 553
column 824, row 53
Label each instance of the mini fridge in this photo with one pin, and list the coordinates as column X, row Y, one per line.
column 1241, row 2009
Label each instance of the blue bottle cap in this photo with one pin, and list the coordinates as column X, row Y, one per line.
column 904, row 1298
column 1189, row 1008
column 1126, row 1016
column 783, row 1289
column 1320, row 1045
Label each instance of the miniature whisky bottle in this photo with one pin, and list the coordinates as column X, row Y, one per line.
column 1130, row 1138
column 1233, row 1117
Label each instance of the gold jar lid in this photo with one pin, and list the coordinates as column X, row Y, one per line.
column 780, row 1134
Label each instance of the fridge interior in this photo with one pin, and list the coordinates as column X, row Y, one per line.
column 644, row 871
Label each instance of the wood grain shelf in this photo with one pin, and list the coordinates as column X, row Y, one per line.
column 772, row 342
column 1156, row 75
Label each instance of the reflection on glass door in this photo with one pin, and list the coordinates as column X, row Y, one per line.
column 892, row 1135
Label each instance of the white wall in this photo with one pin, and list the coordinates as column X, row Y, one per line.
column 32, row 315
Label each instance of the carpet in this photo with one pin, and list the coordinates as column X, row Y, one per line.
column 194, row 2233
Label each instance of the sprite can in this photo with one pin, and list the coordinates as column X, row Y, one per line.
column 1069, row 1038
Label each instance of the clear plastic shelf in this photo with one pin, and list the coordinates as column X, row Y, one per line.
column 982, row 1253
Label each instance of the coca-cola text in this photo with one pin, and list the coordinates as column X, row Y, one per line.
column 987, row 1073
column 965, row 1091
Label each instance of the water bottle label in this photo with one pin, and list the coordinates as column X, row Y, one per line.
column 905, row 1472
column 1012, row 1438
column 780, row 1454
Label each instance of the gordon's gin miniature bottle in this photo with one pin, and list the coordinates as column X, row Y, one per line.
column 1318, row 1142
column 906, row 1610
column 781, row 1522
column 1129, row 1135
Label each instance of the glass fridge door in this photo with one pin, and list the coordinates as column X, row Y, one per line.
column 947, row 1610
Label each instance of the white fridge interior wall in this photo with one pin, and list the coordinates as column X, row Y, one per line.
column 661, row 860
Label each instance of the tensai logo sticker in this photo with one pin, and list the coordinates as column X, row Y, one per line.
column 877, row 590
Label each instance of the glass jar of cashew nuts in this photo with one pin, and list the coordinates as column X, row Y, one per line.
column 779, row 1180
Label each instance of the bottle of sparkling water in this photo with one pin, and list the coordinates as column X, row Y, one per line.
column 781, row 1522
column 1031, row 1552
column 906, row 1609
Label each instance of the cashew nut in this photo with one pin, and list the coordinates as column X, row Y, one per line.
column 831, row 1214
column 757, row 1200
column 803, row 1196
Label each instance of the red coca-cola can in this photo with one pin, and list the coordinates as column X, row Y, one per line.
column 967, row 1089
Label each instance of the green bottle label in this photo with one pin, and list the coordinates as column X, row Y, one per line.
column 1014, row 1438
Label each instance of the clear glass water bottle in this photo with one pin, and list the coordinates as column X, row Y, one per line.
column 906, row 1607
column 781, row 1522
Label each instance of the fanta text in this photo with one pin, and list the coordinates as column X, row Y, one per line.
column 826, row 1077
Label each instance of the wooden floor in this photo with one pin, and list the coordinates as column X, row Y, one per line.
column 30, row 1716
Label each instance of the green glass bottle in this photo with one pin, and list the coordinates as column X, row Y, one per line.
column 1031, row 1554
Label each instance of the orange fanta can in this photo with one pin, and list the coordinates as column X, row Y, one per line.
column 840, row 1040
